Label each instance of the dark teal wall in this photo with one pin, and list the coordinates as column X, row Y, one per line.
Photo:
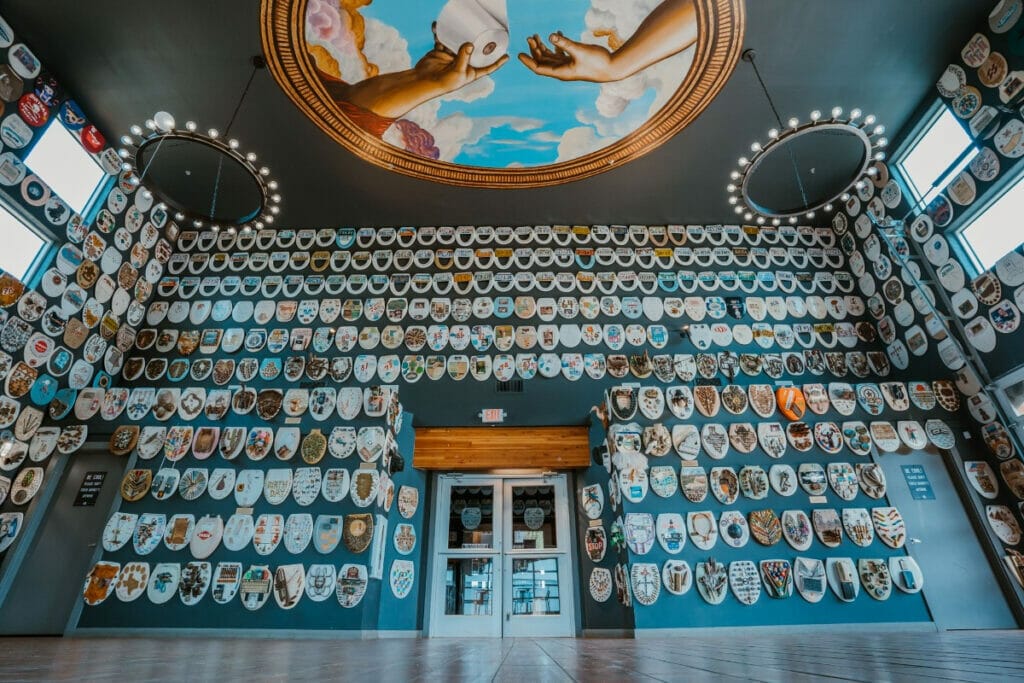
column 25, row 196
column 379, row 608
column 611, row 614
column 942, row 219
column 554, row 401
column 406, row 614
column 1008, row 44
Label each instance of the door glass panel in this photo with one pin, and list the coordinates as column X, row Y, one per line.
column 469, row 586
column 502, row 567
column 535, row 588
column 533, row 518
column 471, row 517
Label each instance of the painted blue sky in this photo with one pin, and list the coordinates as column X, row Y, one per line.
column 518, row 92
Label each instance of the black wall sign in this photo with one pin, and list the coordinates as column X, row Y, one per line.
column 89, row 490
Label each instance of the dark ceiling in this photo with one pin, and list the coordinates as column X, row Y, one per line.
column 124, row 61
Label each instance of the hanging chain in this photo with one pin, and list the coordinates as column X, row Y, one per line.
column 227, row 131
column 771, row 103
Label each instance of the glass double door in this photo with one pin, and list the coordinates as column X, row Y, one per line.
column 501, row 562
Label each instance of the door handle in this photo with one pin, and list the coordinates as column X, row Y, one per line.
column 508, row 616
column 91, row 545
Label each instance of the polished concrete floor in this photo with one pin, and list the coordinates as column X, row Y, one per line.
column 959, row 656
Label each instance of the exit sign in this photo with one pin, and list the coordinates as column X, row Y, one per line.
column 492, row 415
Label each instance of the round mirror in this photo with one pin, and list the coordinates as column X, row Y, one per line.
column 200, row 179
column 806, row 169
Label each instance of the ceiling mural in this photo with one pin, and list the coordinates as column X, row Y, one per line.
column 492, row 93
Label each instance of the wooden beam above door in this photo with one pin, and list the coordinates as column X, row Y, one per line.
column 464, row 449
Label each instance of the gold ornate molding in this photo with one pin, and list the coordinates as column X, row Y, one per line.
column 721, row 26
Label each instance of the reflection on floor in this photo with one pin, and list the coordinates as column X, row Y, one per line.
column 964, row 656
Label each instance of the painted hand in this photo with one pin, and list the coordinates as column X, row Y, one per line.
column 451, row 71
column 569, row 60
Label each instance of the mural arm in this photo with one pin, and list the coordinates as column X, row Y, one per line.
column 438, row 72
column 669, row 29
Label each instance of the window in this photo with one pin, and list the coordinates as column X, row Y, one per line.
column 925, row 163
column 21, row 246
column 60, row 160
column 996, row 230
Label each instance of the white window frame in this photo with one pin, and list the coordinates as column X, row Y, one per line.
column 922, row 196
column 29, row 222
column 101, row 182
column 1014, row 419
column 962, row 243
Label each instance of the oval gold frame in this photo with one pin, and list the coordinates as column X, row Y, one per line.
column 720, row 28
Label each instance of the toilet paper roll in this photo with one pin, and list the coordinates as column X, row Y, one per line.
column 484, row 23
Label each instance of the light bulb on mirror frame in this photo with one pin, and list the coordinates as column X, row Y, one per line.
column 162, row 125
